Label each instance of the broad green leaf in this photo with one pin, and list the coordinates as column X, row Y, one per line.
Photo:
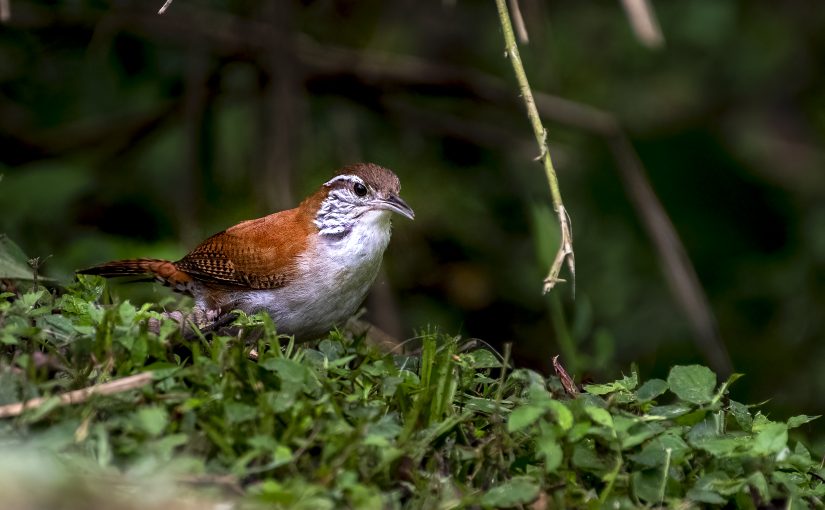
column 670, row 411
column 713, row 486
column 706, row 496
column 650, row 390
column 152, row 420
column 29, row 299
column 562, row 414
column 238, row 412
column 482, row 358
column 802, row 419
column 293, row 374
column 551, row 451
column 741, row 414
column 760, row 421
column 647, row 484
column 520, row 490
column 640, row 434
column 627, row 383
column 482, row 405
column 757, row 481
column 601, row 389
column 332, row 350
column 599, row 416
column 692, row 383
column 127, row 313
column 655, row 452
column 772, row 438
column 14, row 264
column 586, row 457
column 524, row 416
column 722, row 446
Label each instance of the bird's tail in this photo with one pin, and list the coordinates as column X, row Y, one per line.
column 163, row 270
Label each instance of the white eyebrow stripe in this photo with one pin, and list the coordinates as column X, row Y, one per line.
column 345, row 177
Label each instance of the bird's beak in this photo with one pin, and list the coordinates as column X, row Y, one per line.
column 397, row 204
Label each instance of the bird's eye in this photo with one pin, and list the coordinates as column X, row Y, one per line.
column 359, row 189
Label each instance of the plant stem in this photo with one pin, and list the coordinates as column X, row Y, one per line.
column 663, row 486
column 565, row 252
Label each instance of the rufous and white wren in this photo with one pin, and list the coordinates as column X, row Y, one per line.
column 309, row 267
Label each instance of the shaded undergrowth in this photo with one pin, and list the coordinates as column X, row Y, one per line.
column 339, row 424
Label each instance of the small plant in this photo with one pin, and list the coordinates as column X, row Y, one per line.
column 340, row 424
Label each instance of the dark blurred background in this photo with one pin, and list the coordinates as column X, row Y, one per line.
column 125, row 133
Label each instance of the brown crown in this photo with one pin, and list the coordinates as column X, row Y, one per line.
column 378, row 177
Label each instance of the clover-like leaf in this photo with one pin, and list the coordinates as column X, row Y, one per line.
column 692, row 383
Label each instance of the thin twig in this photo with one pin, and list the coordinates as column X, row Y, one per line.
column 81, row 395
column 565, row 252
column 229, row 482
column 166, row 5
column 644, row 23
column 518, row 21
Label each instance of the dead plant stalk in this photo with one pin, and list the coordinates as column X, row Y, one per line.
column 565, row 251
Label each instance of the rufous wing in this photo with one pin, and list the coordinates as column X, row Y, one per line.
column 257, row 254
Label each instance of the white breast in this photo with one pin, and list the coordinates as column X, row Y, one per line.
column 334, row 278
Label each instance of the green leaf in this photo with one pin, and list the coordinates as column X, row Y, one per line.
column 741, row 414
column 293, row 374
column 482, row 358
column 650, row 390
column 772, row 438
column 14, row 264
column 520, row 490
column 802, row 419
column 152, row 420
column 692, row 383
column 627, row 383
column 647, row 484
column 550, row 450
column 640, row 434
column 127, row 313
column 706, row 496
column 669, row 411
column 562, row 414
column 238, row 412
column 654, row 453
column 722, row 446
column 757, row 481
column 599, row 416
column 524, row 416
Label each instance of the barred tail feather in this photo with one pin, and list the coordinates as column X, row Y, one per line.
column 163, row 270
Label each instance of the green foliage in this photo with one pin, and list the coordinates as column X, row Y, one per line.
column 339, row 424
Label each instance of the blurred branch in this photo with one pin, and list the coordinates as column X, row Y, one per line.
column 565, row 252
column 195, row 100
column 79, row 396
column 643, row 20
column 280, row 120
column 165, row 6
column 676, row 265
column 118, row 130
column 518, row 21
column 5, row 10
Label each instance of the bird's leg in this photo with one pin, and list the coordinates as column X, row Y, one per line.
column 204, row 320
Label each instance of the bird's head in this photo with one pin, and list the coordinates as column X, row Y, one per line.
column 360, row 192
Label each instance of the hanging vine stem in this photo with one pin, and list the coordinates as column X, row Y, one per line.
column 565, row 252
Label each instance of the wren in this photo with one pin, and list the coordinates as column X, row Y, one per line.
column 309, row 267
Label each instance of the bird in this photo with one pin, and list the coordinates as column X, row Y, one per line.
column 309, row 268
